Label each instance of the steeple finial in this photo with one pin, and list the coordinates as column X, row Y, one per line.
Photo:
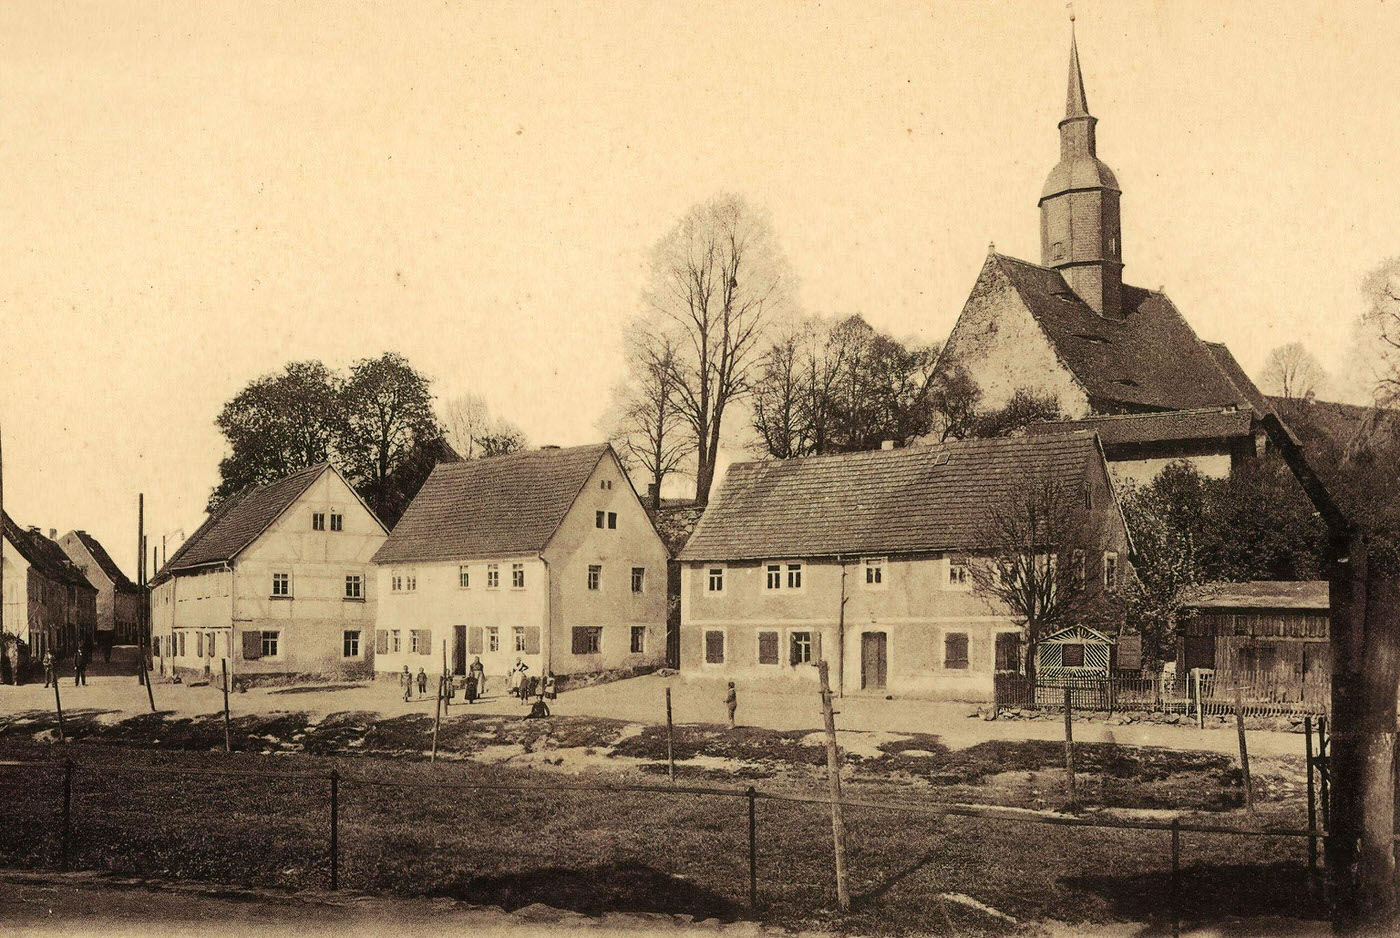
column 1076, row 105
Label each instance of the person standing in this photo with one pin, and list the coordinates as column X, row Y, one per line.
column 406, row 682
column 477, row 672
column 731, row 701
column 79, row 667
column 422, row 683
column 49, row 676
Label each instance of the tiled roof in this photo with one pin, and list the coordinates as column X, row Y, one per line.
column 921, row 498
column 1150, row 359
column 491, row 507
column 1268, row 594
column 105, row 561
column 238, row 520
column 1205, row 424
column 43, row 554
column 1238, row 378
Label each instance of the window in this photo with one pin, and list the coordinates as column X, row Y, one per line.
column 587, row 639
column 775, row 576
column 493, row 576
column 1072, row 656
column 715, row 580
column 955, row 651
column 518, row 634
column 1110, row 569
column 714, row 647
column 281, row 584
column 199, row 644
column 639, row 640
column 493, row 638
column 595, row 575
column 395, row 641
column 639, row 579
column 517, row 576
column 269, row 644
column 612, row 520
column 1008, row 652
column 354, row 588
column 350, row 644
column 1112, row 245
column 318, row 521
column 599, row 518
column 874, row 572
column 794, row 571
column 410, row 582
column 800, row 648
column 957, row 573
column 1088, row 498
column 1058, row 250
column 767, row 648
column 182, row 644
column 464, row 577
column 605, row 484
column 337, row 521
column 416, row 642
column 396, row 582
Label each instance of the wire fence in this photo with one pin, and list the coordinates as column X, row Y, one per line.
column 724, row 849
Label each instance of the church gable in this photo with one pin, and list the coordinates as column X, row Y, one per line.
column 1003, row 347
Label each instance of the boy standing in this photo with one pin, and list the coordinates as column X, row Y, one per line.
column 731, row 700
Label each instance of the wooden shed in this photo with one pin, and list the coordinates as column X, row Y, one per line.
column 1260, row 632
column 1077, row 651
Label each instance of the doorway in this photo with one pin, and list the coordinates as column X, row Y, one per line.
column 872, row 660
column 459, row 649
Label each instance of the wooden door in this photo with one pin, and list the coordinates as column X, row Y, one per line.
column 459, row 649
column 1199, row 652
column 872, row 660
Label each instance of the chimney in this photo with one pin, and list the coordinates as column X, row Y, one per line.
column 53, row 534
column 35, row 529
column 887, row 445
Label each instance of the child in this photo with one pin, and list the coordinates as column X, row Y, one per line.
column 551, row 689
column 422, row 683
column 406, row 682
column 731, row 700
column 49, row 677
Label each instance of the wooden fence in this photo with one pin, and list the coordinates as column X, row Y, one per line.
column 1206, row 693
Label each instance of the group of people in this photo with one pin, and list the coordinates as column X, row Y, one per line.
column 82, row 657
column 519, row 682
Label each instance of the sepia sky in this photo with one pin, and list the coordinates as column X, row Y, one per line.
column 195, row 194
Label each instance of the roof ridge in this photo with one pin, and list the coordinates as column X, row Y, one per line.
column 1191, row 411
column 968, row 443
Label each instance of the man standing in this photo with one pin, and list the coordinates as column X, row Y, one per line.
column 49, row 676
column 79, row 667
column 731, row 700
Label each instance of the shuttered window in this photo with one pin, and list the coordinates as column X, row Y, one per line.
column 532, row 639
column 474, row 640
column 714, row 647
column 955, row 650
column 252, row 646
column 270, row 644
column 587, row 639
column 767, row 647
column 381, row 641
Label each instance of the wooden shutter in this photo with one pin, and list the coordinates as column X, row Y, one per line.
column 532, row 639
column 474, row 640
column 252, row 646
column 579, row 644
column 381, row 642
column 425, row 641
column 714, row 648
column 816, row 648
column 767, row 648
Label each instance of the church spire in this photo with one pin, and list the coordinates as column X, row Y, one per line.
column 1079, row 222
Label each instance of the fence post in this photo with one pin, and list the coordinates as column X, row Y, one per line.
column 1324, row 772
column 753, row 848
column 1244, row 750
column 223, row 662
column 1176, row 876
column 58, row 705
column 833, row 772
column 1312, row 795
column 1069, row 750
column 335, row 830
column 670, row 752
column 67, row 813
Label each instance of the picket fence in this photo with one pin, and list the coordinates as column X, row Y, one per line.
column 1204, row 692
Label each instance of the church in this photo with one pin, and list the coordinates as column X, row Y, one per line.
column 1118, row 359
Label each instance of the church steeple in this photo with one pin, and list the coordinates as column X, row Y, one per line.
column 1080, row 233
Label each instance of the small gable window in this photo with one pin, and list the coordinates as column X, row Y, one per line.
column 714, row 581
column 318, row 521
column 337, row 521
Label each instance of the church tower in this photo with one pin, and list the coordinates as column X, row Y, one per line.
column 1080, row 235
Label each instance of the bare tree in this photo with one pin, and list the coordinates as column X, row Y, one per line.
column 718, row 281
column 1292, row 372
column 953, row 398
column 647, row 427
column 468, row 425
column 1378, row 333
column 1044, row 563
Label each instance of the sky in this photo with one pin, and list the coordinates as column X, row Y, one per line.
column 196, row 194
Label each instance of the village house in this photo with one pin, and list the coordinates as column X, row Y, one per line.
column 276, row 581
column 118, row 599
column 866, row 559
column 1069, row 329
column 1272, row 636
column 546, row 557
column 48, row 603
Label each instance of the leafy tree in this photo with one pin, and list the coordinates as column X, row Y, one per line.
column 1024, row 408
column 388, row 412
column 718, row 281
column 407, row 477
column 278, row 424
column 502, row 442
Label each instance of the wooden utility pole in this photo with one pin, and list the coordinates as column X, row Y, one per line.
column 437, row 717
column 223, row 662
column 1244, row 750
column 141, row 610
column 670, row 751
column 1070, row 790
column 833, row 773
column 841, row 637
column 4, row 647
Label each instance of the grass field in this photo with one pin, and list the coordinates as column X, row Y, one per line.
column 135, row 812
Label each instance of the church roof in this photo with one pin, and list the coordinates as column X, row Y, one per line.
column 1151, row 359
column 1210, row 423
column 1076, row 104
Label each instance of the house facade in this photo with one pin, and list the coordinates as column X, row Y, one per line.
column 545, row 556
column 47, row 601
column 1070, row 329
column 118, row 599
column 276, row 581
column 866, row 560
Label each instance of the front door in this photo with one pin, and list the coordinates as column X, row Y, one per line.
column 872, row 660
column 459, row 649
